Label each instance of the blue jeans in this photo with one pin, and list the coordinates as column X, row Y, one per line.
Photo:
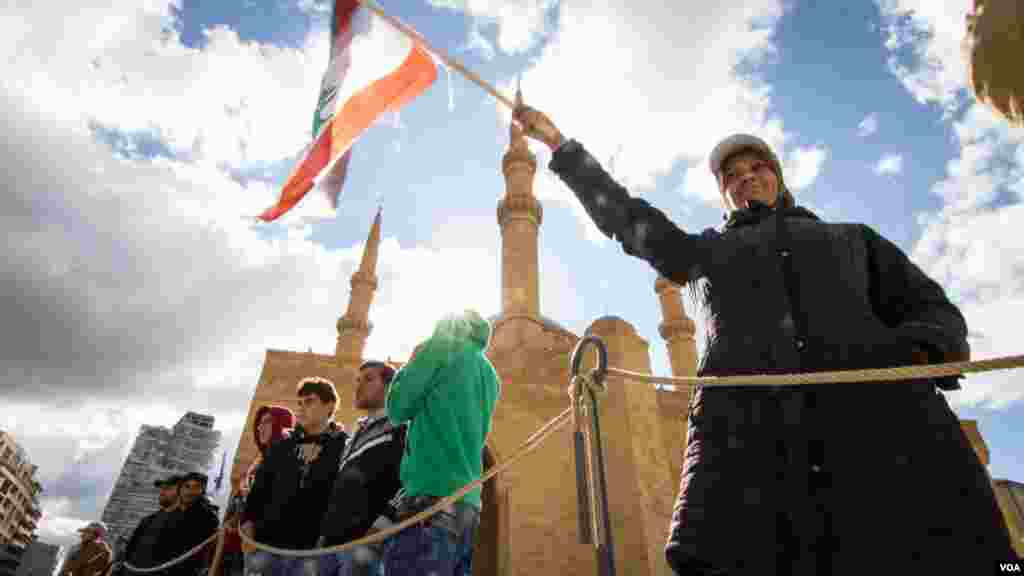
column 430, row 548
column 360, row 561
column 260, row 563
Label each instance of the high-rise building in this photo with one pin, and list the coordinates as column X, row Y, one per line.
column 158, row 452
column 39, row 559
column 19, row 494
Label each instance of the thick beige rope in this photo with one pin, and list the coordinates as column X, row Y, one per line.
column 170, row 563
column 836, row 377
column 531, row 444
column 535, row 440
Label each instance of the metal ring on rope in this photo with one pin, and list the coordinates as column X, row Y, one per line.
column 531, row 444
column 173, row 562
column 595, row 379
column 591, row 485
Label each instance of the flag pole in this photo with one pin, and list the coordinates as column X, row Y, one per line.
column 448, row 60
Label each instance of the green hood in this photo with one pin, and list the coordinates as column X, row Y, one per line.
column 464, row 328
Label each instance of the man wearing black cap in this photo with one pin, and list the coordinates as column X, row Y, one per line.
column 198, row 521
column 149, row 543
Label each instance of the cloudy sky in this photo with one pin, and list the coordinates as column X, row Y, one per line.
column 140, row 139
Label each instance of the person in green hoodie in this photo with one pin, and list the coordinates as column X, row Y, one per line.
column 447, row 393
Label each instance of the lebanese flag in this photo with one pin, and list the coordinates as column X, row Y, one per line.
column 374, row 68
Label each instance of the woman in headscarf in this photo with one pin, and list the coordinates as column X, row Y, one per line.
column 836, row 479
column 272, row 423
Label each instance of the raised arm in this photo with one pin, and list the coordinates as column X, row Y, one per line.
column 413, row 382
column 642, row 230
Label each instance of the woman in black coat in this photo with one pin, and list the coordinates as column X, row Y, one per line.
column 829, row 479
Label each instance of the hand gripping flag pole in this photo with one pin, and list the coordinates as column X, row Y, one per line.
column 592, row 488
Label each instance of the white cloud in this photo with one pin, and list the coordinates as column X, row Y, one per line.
column 804, row 165
column 610, row 76
column 551, row 191
column 889, row 164
column 520, row 23
column 925, row 37
column 868, row 126
column 315, row 7
column 974, row 248
column 972, row 245
column 128, row 71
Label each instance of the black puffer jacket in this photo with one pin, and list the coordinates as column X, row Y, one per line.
column 833, row 479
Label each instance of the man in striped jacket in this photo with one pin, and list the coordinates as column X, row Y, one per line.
column 367, row 479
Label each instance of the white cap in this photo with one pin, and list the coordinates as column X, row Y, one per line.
column 737, row 143
column 98, row 527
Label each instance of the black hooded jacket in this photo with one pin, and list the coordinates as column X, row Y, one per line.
column 285, row 503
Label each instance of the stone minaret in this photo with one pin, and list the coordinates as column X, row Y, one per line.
column 677, row 329
column 354, row 326
column 519, row 215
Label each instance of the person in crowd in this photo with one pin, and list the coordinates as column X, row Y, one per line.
column 92, row 557
column 447, row 394
column 367, row 479
column 292, row 485
column 801, row 480
column 150, row 543
column 271, row 424
column 233, row 562
column 196, row 523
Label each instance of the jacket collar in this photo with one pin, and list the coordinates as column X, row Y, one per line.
column 332, row 431
column 759, row 211
column 372, row 418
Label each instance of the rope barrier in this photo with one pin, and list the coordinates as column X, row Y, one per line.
column 593, row 384
column 173, row 562
column 531, row 444
column 833, row 377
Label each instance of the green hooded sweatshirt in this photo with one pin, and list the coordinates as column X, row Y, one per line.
column 448, row 392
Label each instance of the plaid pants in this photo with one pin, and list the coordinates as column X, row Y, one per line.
column 431, row 548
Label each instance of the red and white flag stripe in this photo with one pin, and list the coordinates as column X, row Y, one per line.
column 374, row 68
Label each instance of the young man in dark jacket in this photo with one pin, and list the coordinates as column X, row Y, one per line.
column 196, row 523
column 367, row 479
column 804, row 480
column 151, row 541
column 288, row 498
